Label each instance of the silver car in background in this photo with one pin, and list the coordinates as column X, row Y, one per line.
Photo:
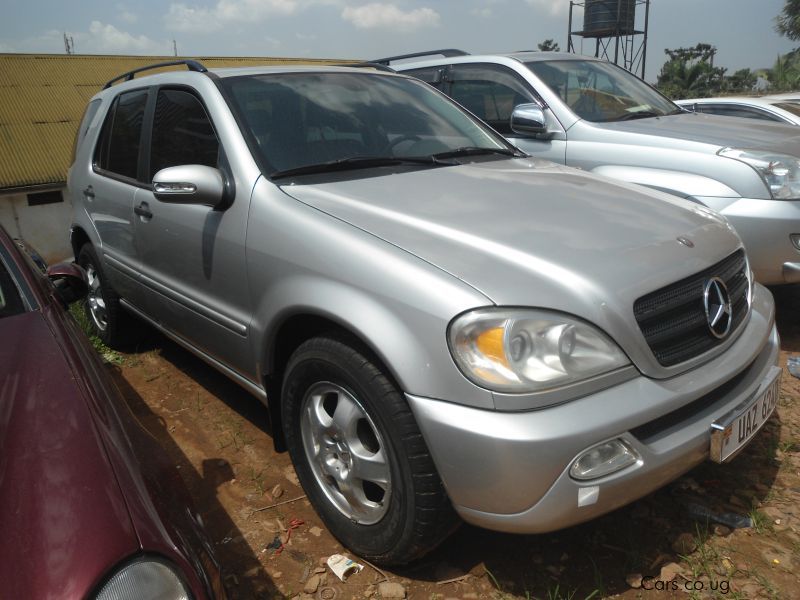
column 438, row 324
column 774, row 109
column 593, row 115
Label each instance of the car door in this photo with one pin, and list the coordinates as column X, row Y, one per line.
column 109, row 190
column 192, row 255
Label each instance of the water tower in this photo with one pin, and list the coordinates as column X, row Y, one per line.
column 618, row 36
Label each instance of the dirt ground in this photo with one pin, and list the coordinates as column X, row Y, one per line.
column 249, row 497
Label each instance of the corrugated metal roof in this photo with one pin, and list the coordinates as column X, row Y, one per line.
column 42, row 99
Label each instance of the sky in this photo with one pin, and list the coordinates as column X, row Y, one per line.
column 742, row 30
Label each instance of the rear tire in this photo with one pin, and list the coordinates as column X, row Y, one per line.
column 107, row 319
column 359, row 454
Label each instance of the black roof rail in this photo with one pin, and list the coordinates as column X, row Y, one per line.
column 446, row 52
column 367, row 65
column 193, row 65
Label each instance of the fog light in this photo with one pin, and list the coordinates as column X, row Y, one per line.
column 796, row 240
column 603, row 459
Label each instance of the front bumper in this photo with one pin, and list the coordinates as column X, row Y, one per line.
column 508, row 471
column 766, row 228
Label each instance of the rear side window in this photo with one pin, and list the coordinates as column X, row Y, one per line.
column 118, row 150
column 88, row 116
column 182, row 133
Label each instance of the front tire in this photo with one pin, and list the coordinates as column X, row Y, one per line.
column 359, row 454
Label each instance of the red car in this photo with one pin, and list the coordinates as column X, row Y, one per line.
column 89, row 506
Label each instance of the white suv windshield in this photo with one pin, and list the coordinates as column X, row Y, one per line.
column 302, row 120
column 599, row 91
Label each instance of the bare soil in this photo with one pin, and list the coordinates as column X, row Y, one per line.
column 248, row 494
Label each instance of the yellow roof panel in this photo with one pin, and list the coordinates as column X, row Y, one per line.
column 42, row 99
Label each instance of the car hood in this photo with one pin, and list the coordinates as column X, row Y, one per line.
column 718, row 131
column 62, row 514
column 531, row 233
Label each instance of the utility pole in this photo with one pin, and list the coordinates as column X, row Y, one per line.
column 175, row 47
column 69, row 44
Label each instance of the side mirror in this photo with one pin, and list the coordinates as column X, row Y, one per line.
column 69, row 281
column 528, row 119
column 189, row 184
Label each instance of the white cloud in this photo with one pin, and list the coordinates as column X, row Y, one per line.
column 196, row 19
column 388, row 16
column 107, row 39
column 554, row 7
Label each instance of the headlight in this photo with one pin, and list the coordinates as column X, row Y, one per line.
column 780, row 171
column 522, row 351
column 145, row 579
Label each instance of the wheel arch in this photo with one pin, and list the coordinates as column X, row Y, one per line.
column 294, row 330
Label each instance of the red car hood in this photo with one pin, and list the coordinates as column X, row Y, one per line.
column 63, row 518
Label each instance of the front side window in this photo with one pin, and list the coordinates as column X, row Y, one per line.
column 599, row 91
column 490, row 92
column 306, row 119
column 182, row 133
column 118, row 148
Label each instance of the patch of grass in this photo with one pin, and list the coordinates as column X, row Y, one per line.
column 761, row 522
column 78, row 312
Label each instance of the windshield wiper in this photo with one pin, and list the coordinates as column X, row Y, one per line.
column 476, row 151
column 640, row 114
column 359, row 162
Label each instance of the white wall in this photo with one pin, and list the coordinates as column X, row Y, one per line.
column 45, row 227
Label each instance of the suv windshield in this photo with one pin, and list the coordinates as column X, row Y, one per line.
column 599, row 91
column 314, row 122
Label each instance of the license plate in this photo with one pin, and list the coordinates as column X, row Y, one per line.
column 734, row 431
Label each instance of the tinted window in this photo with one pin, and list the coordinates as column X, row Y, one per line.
column 182, row 133
column 10, row 301
column 733, row 110
column 489, row 92
column 118, row 150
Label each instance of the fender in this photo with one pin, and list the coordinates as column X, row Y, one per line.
column 681, row 184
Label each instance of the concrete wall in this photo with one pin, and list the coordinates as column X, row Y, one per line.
column 45, row 226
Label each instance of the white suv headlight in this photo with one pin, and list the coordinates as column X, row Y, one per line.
column 781, row 172
column 527, row 350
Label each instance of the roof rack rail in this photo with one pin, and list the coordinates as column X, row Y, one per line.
column 446, row 52
column 367, row 65
column 193, row 65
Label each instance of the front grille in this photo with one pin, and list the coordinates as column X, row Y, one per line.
column 673, row 319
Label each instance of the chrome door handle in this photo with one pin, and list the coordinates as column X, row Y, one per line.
column 143, row 210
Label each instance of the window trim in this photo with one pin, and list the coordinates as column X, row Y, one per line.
column 109, row 117
column 448, row 81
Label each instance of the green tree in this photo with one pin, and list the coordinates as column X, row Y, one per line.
column 742, row 81
column 785, row 73
column 549, row 46
column 690, row 73
column 788, row 22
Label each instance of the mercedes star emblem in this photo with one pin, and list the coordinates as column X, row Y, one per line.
column 717, row 302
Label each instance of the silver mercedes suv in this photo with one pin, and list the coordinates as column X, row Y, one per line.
column 439, row 325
